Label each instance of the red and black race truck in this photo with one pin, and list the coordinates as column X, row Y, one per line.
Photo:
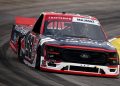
column 64, row 43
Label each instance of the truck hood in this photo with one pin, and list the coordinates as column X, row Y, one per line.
column 72, row 41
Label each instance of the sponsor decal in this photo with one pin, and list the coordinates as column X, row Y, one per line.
column 59, row 18
column 86, row 20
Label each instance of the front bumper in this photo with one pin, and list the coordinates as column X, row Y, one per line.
column 73, row 64
column 79, row 73
column 81, row 69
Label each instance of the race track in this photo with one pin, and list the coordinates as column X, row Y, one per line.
column 14, row 73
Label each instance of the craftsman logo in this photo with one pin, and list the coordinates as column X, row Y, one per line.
column 59, row 18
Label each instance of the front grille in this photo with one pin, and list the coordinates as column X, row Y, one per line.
column 85, row 57
column 80, row 56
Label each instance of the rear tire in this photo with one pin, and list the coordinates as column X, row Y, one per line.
column 20, row 54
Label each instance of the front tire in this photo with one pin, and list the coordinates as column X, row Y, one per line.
column 38, row 58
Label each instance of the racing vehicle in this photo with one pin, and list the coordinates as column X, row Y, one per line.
column 116, row 43
column 64, row 43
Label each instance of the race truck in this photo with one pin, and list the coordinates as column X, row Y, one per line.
column 64, row 43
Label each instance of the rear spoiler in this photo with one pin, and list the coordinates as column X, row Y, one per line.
column 25, row 21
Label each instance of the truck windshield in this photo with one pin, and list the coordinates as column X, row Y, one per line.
column 74, row 29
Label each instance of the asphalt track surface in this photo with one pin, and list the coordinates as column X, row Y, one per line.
column 14, row 73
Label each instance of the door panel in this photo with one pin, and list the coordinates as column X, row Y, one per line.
column 31, row 43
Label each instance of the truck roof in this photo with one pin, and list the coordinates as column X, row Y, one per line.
column 69, row 15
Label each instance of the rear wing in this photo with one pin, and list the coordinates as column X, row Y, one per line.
column 25, row 21
column 23, row 24
column 21, row 27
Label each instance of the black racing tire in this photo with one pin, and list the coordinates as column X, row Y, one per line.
column 37, row 65
column 20, row 57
